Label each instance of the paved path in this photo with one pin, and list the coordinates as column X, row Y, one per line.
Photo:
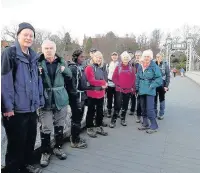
column 174, row 149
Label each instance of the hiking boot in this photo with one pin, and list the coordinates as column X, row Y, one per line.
column 104, row 124
column 160, row 117
column 81, row 144
column 109, row 113
column 101, row 131
column 138, row 119
column 131, row 113
column 60, row 153
column 91, row 132
column 112, row 124
column 123, row 123
column 45, row 159
column 143, row 128
column 150, row 131
column 32, row 169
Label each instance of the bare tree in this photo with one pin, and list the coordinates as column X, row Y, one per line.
column 10, row 32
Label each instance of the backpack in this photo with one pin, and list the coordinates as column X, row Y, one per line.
column 81, row 79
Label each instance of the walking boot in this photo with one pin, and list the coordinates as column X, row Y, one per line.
column 101, row 131
column 91, row 132
column 123, row 116
column 58, row 151
column 46, row 149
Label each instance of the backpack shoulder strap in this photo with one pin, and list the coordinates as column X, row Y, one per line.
column 119, row 68
column 14, row 64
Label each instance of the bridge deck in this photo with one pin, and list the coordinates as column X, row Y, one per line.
column 174, row 149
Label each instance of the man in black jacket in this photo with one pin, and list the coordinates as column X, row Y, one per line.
column 77, row 98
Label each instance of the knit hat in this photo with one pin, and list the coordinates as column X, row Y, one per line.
column 25, row 25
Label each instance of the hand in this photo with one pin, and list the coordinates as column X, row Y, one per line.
column 104, row 87
column 166, row 89
column 8, row 114
column 40, row 70
column 62, row 68
column 106, row 84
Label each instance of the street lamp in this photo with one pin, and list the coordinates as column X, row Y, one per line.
column 168, row 44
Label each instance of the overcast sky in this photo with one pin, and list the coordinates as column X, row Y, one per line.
column 92, row 17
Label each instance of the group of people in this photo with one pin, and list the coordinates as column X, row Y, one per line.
column 45, row 81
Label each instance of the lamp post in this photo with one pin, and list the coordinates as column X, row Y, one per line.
column 168, row 44
column 189, row 52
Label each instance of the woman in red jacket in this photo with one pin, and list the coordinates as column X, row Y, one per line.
column 97, row 84
column 124, row 80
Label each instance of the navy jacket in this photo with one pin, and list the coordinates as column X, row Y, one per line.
column 21, row 85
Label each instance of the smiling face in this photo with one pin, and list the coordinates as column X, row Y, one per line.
column 97, row 60
column 147, row 60
column 26, row 37
column 114, row 58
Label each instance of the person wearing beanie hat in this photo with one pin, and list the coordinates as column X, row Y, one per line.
column 148, row 78
column 22, row 95
column 25, row 25
column 124, row 80
column 77, row 98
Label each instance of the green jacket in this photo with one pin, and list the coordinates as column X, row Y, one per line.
column 58, row 90
column 149, row 80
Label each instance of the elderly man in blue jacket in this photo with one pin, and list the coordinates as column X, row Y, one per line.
column 22, row 95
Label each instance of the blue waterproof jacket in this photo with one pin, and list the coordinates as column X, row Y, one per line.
column 21, row 84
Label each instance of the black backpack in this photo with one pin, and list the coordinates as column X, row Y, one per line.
column 81, row 80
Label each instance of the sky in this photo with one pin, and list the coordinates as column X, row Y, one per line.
column 92, row 17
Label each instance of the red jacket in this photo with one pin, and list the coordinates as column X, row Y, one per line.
column 125, row 79
column 90, row 75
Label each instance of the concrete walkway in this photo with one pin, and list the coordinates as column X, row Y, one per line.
column 174, row 149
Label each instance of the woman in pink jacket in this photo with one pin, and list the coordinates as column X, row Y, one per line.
column 124, row 80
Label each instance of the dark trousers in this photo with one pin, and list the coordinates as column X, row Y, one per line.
column 21, row 131
column 77, row 109
column 133, row 102
column 160, row 92
column 111, row 94
column 148, row 112
column 122, row 101
column 138, row 107
column 95, row 107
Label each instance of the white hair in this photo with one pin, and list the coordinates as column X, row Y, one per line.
column 98, row 54
column 147, row 53
column 159, row 54
column 125, row 54
column 138, row 52
column 48, row 42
